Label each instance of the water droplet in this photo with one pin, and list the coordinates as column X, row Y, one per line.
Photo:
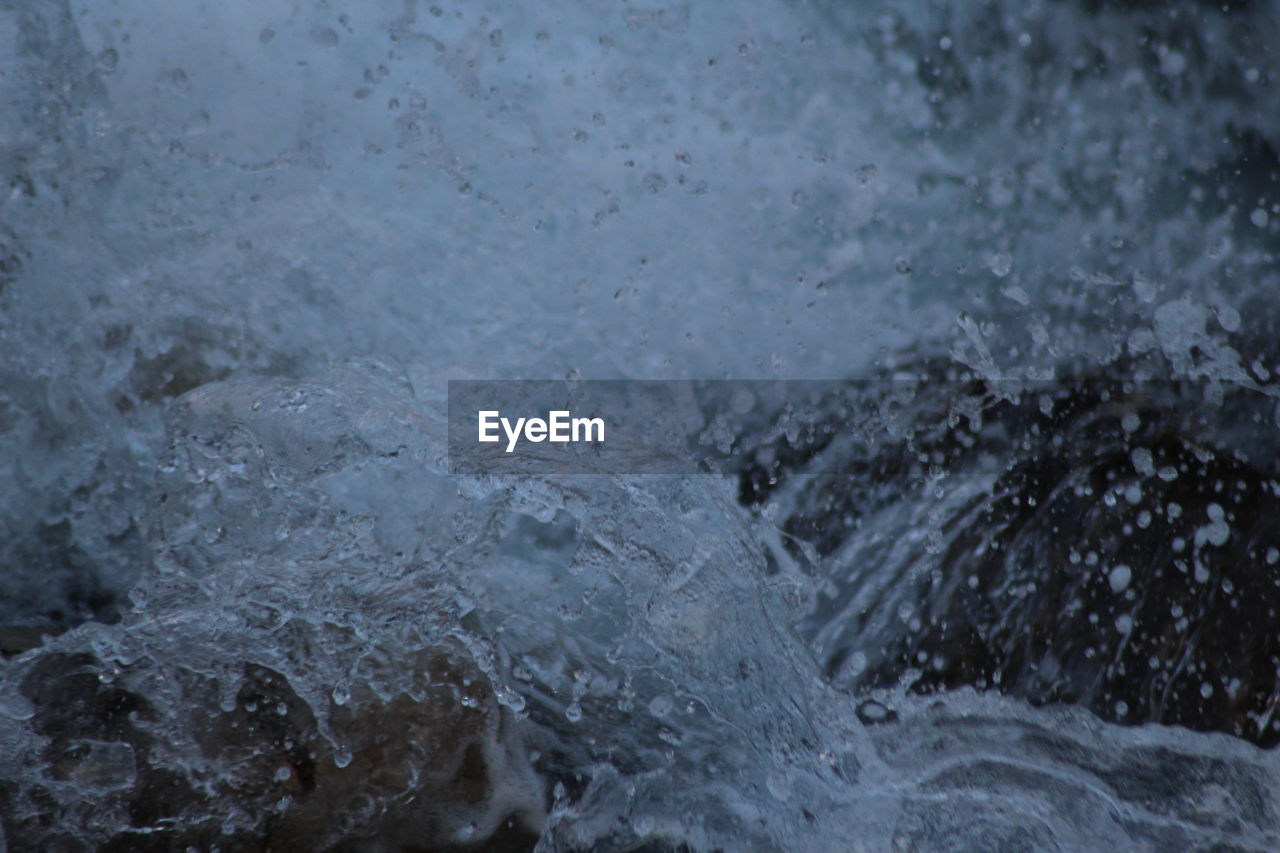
column 108, row 59
column 1173, row 63
column 1000, row 264
column 1119, row 578
column 857, row 663
column 1017, row 294
column 872, row 712
column 1217, row 531
column 653, row 182
column 324, row 36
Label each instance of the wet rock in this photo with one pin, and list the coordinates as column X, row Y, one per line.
column 1100, row 542
column 119, row 762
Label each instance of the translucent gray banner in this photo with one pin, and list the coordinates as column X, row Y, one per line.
column 722, row 426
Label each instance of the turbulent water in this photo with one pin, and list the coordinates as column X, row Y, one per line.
column 1020, row 592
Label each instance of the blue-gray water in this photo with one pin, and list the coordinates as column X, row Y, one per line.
column 244, row 245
